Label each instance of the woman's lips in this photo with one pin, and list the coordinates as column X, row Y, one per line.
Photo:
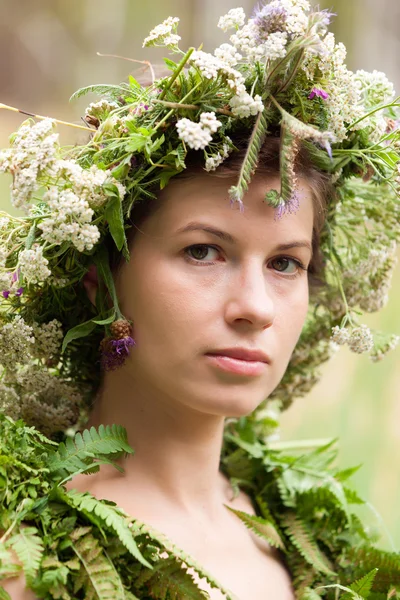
column 236, row 365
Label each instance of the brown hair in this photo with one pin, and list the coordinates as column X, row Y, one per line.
column 268, row 164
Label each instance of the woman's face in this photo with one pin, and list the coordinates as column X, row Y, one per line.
column 205, row 277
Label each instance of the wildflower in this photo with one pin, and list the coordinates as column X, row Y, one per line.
column 164, row 34
column 318, row 92
column 16, row 341
column 100, row 110
column 270, row 19
column 48, row 338
column 340, row 335
column 198, row 135
column 361, row 340
column 114, row 352
column 212, row 67
column 287, row 208
column 9, row 401
column 234, row 19
column 243, row 105
column 213, row 161
column 227, row 54
column 33, row 265
column 69, row 220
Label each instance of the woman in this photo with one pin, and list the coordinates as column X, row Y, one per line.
column 204, row 303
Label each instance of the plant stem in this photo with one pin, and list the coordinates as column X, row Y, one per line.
column 177, row 72
column 22, row 112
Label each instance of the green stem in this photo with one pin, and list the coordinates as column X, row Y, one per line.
column 171, row 112
column 298, row 445
column 176, row 73
column 372, row 112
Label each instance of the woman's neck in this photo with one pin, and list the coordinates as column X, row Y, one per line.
column 177, row 450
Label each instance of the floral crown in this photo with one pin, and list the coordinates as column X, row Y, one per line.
column 282, row 69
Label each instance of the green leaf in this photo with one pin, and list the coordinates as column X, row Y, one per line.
column 363, row 586
column 170, row 64
column 4, row 595
column 111, row 518
column 250, row 160
column 302, row 539
column 106, row 321
column 28, row 546
column 79, row 331
column 78, row 453
column 103, row 89
column 133, row 83
column 30, row 238
column 101, row 260
column 136, row 142
column 263, row 528
column 113, row 215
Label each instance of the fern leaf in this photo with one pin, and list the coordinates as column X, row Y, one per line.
column 98, row 575
column 363, row 586
column 113, row 91
column 262, row 527
column 4, row 595
column 110, row 516
column 78, row 454
column 309, row 594
column 28, row 546
column 367, row 558
column 302, row 539
column 139, row 528
column 251, row 158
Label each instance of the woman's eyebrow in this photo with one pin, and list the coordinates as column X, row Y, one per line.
column 227, row 237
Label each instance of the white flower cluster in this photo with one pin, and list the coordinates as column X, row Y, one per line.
column 360, row 339
column 228, row 54
column 34, row 150
column 213, row 161
column 212, row 67
column 69, row 220
column 33, row 265
column 48, row 338
column 9, row 401
column 234, row 19
column 16, row 340
column 375, row 88
column 3, row 258
column 198, row 135
column 244, row 105
column 88, row 183
column 164, row 34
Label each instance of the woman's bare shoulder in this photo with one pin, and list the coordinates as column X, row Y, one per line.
column 16, row 589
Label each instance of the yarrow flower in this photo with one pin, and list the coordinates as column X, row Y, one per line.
column 48, row 338
column 16, row 339
column 228, row 54
column 234, row 19
column 69, row 220
column 212, row 67
column 243, row 105
column 164, row 34
column 213, row 161
column 359, row 339
column 198, row 135
column 33, row 265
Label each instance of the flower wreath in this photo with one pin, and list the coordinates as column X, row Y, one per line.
column 281, row 69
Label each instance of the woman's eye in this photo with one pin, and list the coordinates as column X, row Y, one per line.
column 287, row 265
column 200, row 252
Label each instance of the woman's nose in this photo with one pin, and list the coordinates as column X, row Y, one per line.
column 251, row 298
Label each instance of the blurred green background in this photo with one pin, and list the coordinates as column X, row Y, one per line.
column 48, row 50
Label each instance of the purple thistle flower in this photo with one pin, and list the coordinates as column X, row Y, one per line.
column 5, row 294
column 19, row 291
column 290, row 207
column 114, row 352
column 318, row 92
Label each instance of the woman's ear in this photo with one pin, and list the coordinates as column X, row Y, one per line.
column 91, row 283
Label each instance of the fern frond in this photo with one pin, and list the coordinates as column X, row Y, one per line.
column 4, row 595
column 28, row 546
column 262, row 527
column 77, row 454
column 251, row 158
column 139, row 528
column 98, row 576
column 363, row 586
column 308, row 594
column 112, row 91
column 366, row 558
column 302, row 539
column 110, row 516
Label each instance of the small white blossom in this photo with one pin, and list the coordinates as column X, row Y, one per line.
column 340, row 335
column 9, row 401
column 3, row 257
column 48, row 338
column 228, row 54
column 69, row 220
column 16, row 341
column 213, row 161
column 211, row 67
column 164, row 34
column 234, row 19
column 361, row 340
column 244, row 105
column 210, row 121
column 33, row 265
column 193, row 134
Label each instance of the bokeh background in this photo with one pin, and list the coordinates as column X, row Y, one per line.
column 48, row 49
